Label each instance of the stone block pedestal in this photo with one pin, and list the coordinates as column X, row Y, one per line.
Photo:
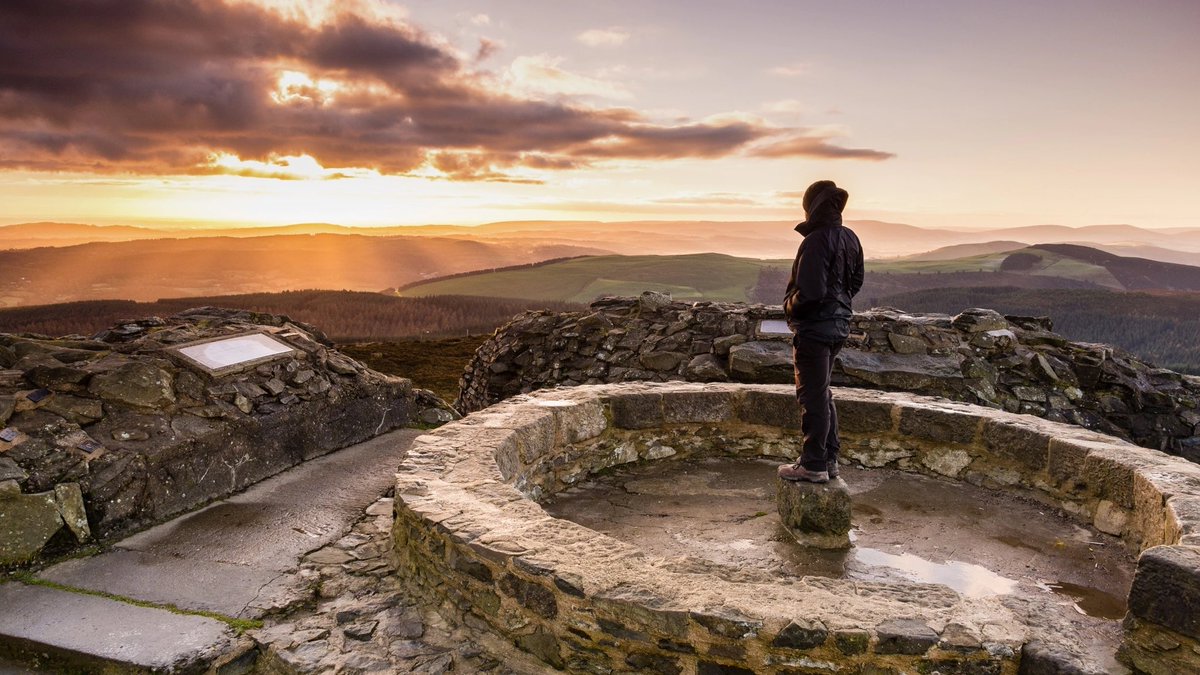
column 817, row 514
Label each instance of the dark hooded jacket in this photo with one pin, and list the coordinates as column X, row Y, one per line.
column 828, row 270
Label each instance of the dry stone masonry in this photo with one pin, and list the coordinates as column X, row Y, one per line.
column 1016, row 364
column 101, row 435
column 469, row 530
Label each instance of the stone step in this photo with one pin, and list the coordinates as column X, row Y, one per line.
column 61, row 631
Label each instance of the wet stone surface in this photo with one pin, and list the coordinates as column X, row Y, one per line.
column 720, row 514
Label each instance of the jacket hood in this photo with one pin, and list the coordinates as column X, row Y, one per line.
column 824, row 202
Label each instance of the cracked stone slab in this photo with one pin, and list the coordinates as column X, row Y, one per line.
column 85, row 633
column 239, row 556
column 186, row 583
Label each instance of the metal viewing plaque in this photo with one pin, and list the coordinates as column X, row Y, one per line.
column 773, row 327
column 233, row 353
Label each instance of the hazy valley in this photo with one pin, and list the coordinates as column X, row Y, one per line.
column 456, row 281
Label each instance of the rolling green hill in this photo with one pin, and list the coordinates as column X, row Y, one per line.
column 1041, row 262
column 1063, row 261
column 702, row 276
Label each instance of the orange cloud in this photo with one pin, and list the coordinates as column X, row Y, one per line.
column 816, row 147
column 163, row 86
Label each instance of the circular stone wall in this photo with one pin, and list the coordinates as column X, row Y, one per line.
column 470, row 531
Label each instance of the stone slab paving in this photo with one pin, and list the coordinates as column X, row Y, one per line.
column 240, row 557
column 98, row 631
column 364, row 618
column 249, row 545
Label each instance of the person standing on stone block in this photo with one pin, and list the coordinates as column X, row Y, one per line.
column 826, row 275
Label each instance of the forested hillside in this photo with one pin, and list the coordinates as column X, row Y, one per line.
column 1162, row 328
column 343, row 315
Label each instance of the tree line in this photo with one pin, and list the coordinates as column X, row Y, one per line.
column 343, row 315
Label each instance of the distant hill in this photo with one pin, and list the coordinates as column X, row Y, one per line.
column 1134, row 274
column 1159, row 327
column 1063, row 261
column 164, row 268
column 705, row 276
column 958, row 251
column 343, row 315
column 712, row 276
column 754, row 239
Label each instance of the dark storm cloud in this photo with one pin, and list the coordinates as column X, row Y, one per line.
column 158, row 86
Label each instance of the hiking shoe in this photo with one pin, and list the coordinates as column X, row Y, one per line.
column 832, row 470
column 799, row 473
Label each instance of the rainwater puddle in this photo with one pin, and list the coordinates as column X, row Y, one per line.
column 967, row 579
column 907, row 528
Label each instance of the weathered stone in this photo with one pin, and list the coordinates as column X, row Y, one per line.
column 661, row 361
column 329, row 556
column 361, row 630
column 130, row 435
column 958, row 638
column 654, row 301
column 769, row 408
column 907, row 344
column 653, row 663
column 135, row 384
column 705, row 368
column 851, row 641
column 57, row 378
column 762, row 361
column 1166, row 588
column 698, row 407
column 947, row 426
column 722, row 344
column 69, row 500
column 637, row 411
column 817, row 515
column 27, row 522
column 1029, row 447
column 544, row 646
column 75, row 409
column 1110, row 518
column 996, row 366
column 341, row 364
column 10, row 470
column 727, row 624
column 532, row 595
column 7, row 406
column 801, row 634
column 1040, row 658
column 904, row 636
column 978, row 320
column 865, row 417
column 917, row 372
column 713, row 668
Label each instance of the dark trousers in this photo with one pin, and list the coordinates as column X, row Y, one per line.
column 814, row 367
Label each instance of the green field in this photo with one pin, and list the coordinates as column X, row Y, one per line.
column 1052, row 264
column 703, row 276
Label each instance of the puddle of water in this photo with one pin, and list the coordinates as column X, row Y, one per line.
column 969, row 580
column 906, row 527
column 1091, row 601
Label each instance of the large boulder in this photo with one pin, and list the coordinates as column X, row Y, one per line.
column 762, row 361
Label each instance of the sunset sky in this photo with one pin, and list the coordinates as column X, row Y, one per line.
column 954, row 114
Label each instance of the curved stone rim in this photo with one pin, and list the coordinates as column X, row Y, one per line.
column 467, row 526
